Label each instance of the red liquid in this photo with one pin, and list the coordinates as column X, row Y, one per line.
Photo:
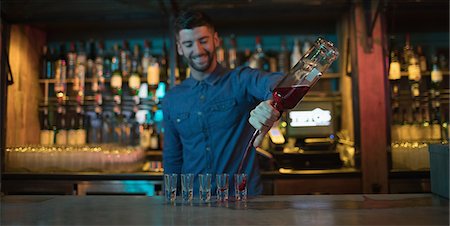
column 288, row 97
column 242, row 184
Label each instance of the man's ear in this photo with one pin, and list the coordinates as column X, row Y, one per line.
column 216, row 39
column 179, row 49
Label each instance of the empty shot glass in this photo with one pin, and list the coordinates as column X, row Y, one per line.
column 170, row 187
column 204, row 181
column 187, row 186
column 240, row 186
column 222, row 186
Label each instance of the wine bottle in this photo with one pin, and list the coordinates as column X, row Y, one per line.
column 145, row 133
column 46, row 134
column 81, row 127
column 422, row 59
column 90, row 65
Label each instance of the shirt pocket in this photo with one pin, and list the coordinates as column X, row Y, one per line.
column 223, row 113
column 183, row 123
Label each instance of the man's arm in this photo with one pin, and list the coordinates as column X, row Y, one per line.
column 172, row 148
column 262, row 118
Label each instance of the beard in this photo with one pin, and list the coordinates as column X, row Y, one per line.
column 204, row 64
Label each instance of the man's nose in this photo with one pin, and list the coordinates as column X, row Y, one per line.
column 198, row 48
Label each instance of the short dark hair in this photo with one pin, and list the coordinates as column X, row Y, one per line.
column 192, row 19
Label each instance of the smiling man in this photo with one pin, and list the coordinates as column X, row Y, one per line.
column 207, row 120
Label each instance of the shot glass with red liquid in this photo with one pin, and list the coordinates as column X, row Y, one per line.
column 222, row 182
column 240, row 186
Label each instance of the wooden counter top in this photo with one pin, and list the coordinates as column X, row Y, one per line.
column 388, row 209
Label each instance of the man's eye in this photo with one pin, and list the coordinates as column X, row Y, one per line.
column 188, row 45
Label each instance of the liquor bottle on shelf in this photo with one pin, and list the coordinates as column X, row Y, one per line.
column 60, row 76
column 258, row 59
column 146, row 58
column 436, row 77
column 283, row 58
column 80, row 72
column 408, row 53
column 145, row 133
column 46, row 134
column 98, row 82
column 154, row 137
column 394, row 73
column 72, row 128
column 90, row 65
column 107, row 129
column 134, row 82
column 71, row 60
column 46, row 63
column 164, row 65
column 117, row 125
column 107, row 71
column 94, row 127
column 232, row 53
column 115, row 59
column 116, row 78
column 61, row 126
column 80, row 135
column 422, row 59
column 125, row 60
column 220, row 54
column 296, row 54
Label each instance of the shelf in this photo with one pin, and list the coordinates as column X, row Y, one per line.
column 144, row 79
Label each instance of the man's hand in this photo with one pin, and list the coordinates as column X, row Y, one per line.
column 262, row 119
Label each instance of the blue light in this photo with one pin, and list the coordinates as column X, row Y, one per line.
column 158, row 116
column 161, row 90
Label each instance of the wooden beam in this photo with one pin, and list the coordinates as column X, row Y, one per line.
column 372, row 105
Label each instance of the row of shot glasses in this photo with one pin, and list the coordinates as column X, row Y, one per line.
column 187, row 186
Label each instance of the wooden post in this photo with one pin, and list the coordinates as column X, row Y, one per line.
column 370, row 87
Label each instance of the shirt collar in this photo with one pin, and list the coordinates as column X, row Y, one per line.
column 212, row 79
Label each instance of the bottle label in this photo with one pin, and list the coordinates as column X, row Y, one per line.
column 73, row 137
column 134, row 82
column 45, row 137
column 414, row 72
column 80, row 136
column 436, row 76
column 394, row 71
column 153, row 74
column 116, row 81
column 145, row 139
column 61, row 137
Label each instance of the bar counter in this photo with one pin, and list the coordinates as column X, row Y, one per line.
column 381, row 209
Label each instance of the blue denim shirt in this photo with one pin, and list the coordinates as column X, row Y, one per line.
column 206, row 126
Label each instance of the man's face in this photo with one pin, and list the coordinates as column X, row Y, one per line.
column 198, row 46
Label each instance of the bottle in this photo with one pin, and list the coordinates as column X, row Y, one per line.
column 394, row 73
column 46, row 134
column 154, row 138
column 146, row 58
column 80, row 136
column 304, row 74
column 134, row 82
column 60, row 75
column 296, row 54
column 46, row 63
column 81, row 62
column 422, row 59
column 258, row 59
column 125, row 60
column 90, row 66
column 116, row 78
column 145, row 133
column 71, row 60
column 107, row 64
column 72, row 128
column 220, row 54
column 232, row 53
column 98, row 83
column 61, row 135
column 163, row 62
column 436, row 77
column 408, row 53
column 283, row 58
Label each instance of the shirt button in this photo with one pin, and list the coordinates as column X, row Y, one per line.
column 199, row 113
column 202, row 97
column 208, row 149
column 178, row 120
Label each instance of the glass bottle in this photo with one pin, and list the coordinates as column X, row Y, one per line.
column 258, row 59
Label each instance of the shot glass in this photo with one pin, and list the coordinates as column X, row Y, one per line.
column 240, row 186
column 170, row 187
column 222, row 186
column 187, row 186
column 205, row 187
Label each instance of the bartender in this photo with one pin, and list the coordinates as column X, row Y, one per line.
column 210, row 117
